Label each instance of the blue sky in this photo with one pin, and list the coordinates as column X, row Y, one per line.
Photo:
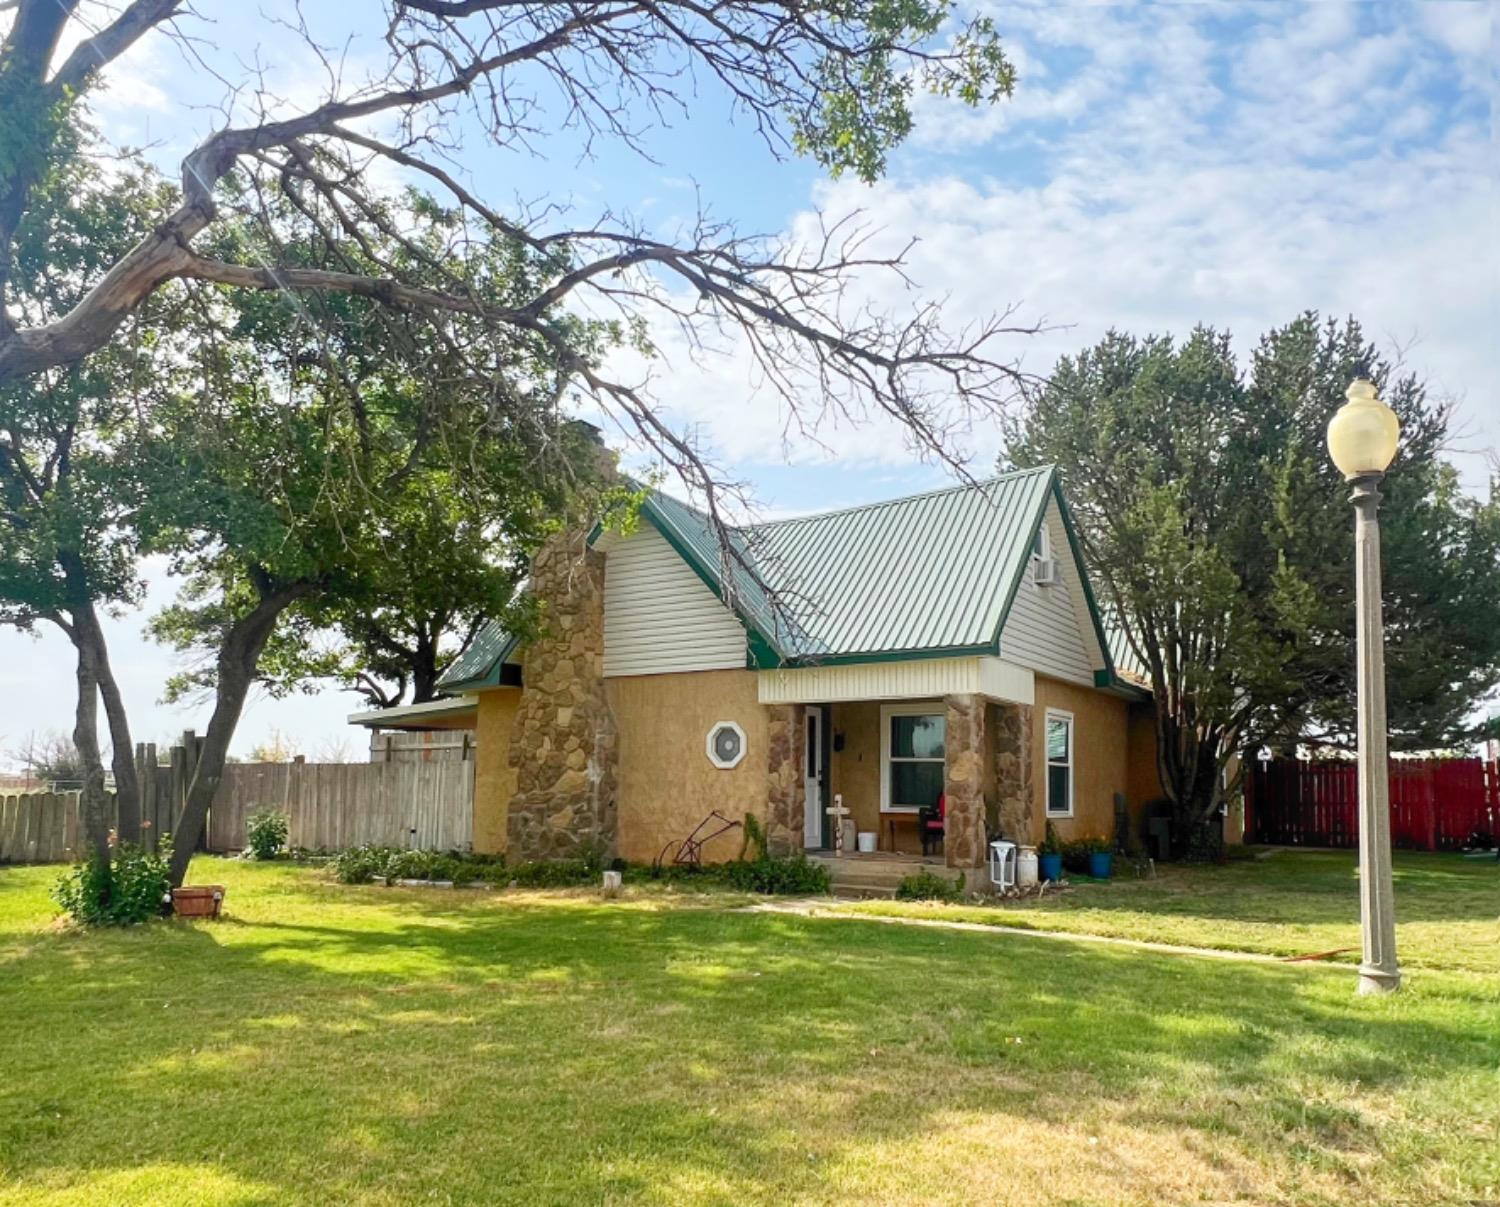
column 1159, row 165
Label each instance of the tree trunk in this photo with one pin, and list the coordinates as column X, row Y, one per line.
column 1188, row 764
column 239, row 658
column 86, row 740
column 424, row 673
column 122, row 748
column 87, row 636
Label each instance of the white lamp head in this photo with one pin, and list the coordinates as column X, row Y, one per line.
column 1362, row 435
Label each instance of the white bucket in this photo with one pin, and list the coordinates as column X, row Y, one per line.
column 1026, row 867
column 867, row 840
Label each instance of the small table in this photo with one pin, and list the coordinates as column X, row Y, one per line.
column 890, row 826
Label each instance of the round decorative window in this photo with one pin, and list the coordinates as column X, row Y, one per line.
column 726, row 744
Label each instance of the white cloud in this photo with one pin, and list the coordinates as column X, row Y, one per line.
column 1173, row 203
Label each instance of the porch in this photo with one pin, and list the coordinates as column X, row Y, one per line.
column 881, row 873
column 886, row 757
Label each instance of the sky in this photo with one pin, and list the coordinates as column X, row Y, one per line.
column 1159, row 166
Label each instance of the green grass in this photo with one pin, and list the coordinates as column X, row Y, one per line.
column 1289, row 903
column 378, row 1046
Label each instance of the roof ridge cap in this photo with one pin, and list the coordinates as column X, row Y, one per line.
column 978, row 484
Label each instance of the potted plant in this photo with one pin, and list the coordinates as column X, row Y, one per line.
column 1050, row 855
column 1101, row 858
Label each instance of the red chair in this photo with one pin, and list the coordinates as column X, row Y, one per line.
column 930, row 822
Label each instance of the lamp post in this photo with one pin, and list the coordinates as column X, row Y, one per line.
column 1362, row 440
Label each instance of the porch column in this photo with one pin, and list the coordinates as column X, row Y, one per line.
column 785, row 786
column 1013, row 771
column 963, row 781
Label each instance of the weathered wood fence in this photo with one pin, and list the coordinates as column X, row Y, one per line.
column 423, row 746
column 329, row 805
column 1436, row 804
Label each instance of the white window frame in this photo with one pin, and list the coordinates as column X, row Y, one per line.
column 928, row 708
column 1060, row 714
column 713, row 755
column 1044, row 533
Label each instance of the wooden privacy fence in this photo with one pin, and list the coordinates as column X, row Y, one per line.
column 329, row 806
column 1436, row 804
column 39, row 827
column 335, row 805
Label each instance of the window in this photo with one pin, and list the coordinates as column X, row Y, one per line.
column 726, row 745
column 1041, row 545
column 1059, row 764
column 911, row 756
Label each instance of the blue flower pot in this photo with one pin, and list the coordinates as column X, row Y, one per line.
column 1101, row 863
column 1050, row 867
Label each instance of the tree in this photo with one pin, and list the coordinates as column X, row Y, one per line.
column 49, row 758
column 66, row 549
column 1220, row 534
column 831, row 81
column 448, row 572
column 283, row 478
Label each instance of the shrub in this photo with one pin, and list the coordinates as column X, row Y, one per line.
column 929, row 886
column 265, row 834
column 361, row 865
column 133, row 886
column 795, row 875
column 1051, row 843
column 551, row 873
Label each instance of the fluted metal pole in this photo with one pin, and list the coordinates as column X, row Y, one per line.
column 1378, row 970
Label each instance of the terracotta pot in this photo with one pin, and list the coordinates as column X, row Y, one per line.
column 197, row 900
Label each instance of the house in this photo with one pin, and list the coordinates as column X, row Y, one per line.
column 946, row 644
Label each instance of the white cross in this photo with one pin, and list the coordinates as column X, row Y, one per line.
column 838, row 812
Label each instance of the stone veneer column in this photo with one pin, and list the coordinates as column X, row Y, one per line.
column 963, row 781
column 1013, row 774
column 563, row 740
column 785, row 784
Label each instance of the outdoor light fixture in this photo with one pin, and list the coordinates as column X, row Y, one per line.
column 1362, row 435
column 1362, row 439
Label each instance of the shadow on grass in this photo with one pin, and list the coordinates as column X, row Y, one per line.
column 368, row 1046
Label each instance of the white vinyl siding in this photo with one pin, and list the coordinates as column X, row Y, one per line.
column 659, row 617
column 1048, row 628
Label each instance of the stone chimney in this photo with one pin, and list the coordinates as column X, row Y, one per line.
column 563, row 741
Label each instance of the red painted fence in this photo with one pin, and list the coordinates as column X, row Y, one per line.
column 1436, row 804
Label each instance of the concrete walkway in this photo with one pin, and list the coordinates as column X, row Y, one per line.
column 822, row 907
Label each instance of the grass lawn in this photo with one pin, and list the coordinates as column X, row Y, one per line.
column 1288, row 903
column 367, row 1045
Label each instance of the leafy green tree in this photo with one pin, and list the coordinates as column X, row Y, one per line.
column 1221, row 535
column 298, row 475
column 448, row 568
column 67, row 550
column 275, row 218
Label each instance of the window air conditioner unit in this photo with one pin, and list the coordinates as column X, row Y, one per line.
column 1044, row 571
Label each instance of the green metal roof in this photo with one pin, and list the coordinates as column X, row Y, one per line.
column 928, row 574
column 479, row 664
column 924, row 576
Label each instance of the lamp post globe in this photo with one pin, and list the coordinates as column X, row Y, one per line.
column 1362, row 439
column 1362, row 434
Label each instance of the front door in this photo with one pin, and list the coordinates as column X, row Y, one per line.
column 813, row 776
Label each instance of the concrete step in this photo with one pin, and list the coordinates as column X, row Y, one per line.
column 864, row 892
